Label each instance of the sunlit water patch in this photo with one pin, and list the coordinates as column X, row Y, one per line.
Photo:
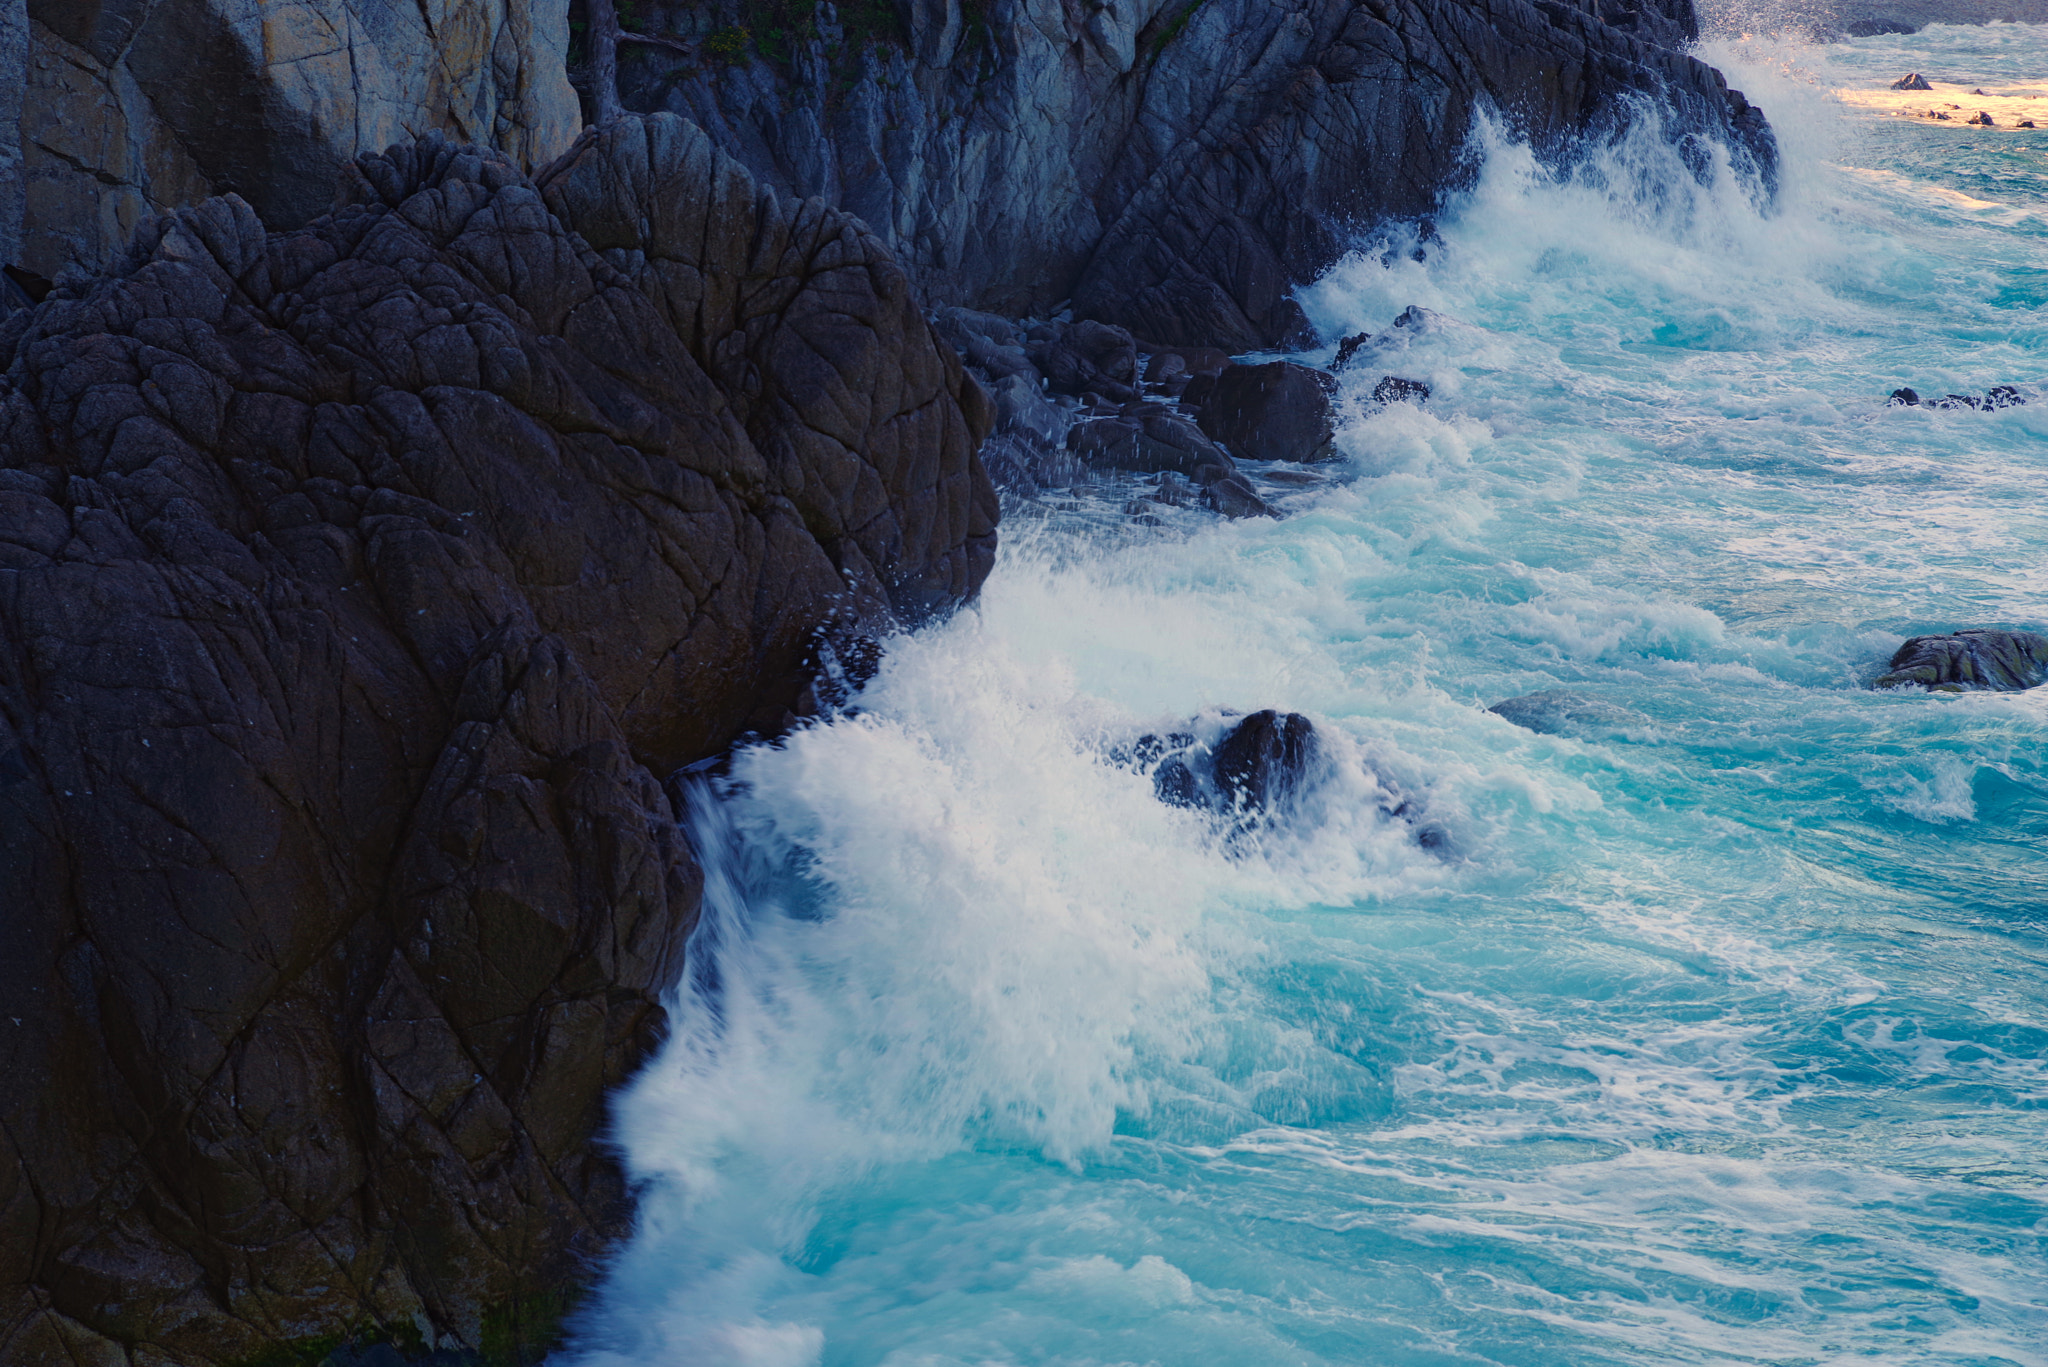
column 1713, row 1030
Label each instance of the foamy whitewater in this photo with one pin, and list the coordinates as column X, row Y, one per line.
column 1714, row 1029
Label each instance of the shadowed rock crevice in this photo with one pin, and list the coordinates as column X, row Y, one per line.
column 358, row 586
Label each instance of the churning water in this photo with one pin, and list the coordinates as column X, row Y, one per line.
column 1716, row 1028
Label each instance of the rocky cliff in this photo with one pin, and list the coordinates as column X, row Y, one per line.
column 1174, row 166
column 132, row 107
column 359, row 585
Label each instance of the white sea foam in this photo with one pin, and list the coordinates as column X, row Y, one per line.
column 1714, row 1036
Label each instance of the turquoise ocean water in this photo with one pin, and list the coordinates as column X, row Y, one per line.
column 1716, row 1031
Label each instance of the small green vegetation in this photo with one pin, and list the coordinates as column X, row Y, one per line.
column 728, row 44
column 1174, row 27
column 526, row 1328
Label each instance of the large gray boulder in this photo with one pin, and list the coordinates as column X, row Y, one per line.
column 359, row 586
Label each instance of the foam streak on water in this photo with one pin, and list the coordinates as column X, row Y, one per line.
column 1716, row 1031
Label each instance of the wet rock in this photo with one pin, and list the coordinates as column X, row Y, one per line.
column 1233, row 496
column 1418, row 321
column 1243, row 767
column 1348, row 349
column 1563, row 712
column 1199, row 360
column 1973, row 660
column 1275, row 411
column 2024, row 123
column 1993, row 399
column 1912, row 80
column 1981, row 120
column 1394, row 389
column 361, row 583
column 1265, row 761
column 1167, row 369
column 1147, row 438
column 1086, row 357
column 991, row 343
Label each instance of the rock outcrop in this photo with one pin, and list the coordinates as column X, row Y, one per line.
column 134, row 107
column 1173, row 166
column 358, row 586
column 1974, row 660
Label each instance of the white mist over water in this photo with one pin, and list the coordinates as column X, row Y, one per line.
column 1714, row 1034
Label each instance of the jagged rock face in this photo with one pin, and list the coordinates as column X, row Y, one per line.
column 138, row 106
column 1175, row 166
column 357, row 584
column 1975, row 659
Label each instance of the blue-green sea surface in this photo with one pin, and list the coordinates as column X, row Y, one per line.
column 1711, row 1026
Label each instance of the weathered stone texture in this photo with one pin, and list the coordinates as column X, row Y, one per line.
column 139, row 106
column 357, row 586
column 1174, row 166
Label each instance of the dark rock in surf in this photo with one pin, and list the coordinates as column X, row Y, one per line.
column 1394, row 389
column 1973, row 660
column 1981, row 120
column 2024, row 123
column 1265, row 761
column 1993, row 399
column 1275, row 411
column 1348, row 349
column 360, row 583
column 1912, row 80
column 1418, row 321
column 1232, row 495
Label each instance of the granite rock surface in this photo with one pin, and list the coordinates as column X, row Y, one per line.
column 1173, row 166
column 359, row 586
column 134, row 107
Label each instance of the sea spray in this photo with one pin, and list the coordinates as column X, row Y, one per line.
column 1716, row 1034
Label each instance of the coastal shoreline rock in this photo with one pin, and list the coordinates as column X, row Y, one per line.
column 359, row 585
column 1174, row 168
column 1976, row 659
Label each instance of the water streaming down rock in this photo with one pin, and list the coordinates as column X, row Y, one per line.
column 1717, row 1033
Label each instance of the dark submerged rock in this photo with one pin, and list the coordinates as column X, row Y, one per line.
column 1993, row 399
column 1232, row 495
column 360, row 584
column 1563, row 712
column 1348, row 349
column 1394, row 389
column 1972, row 660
